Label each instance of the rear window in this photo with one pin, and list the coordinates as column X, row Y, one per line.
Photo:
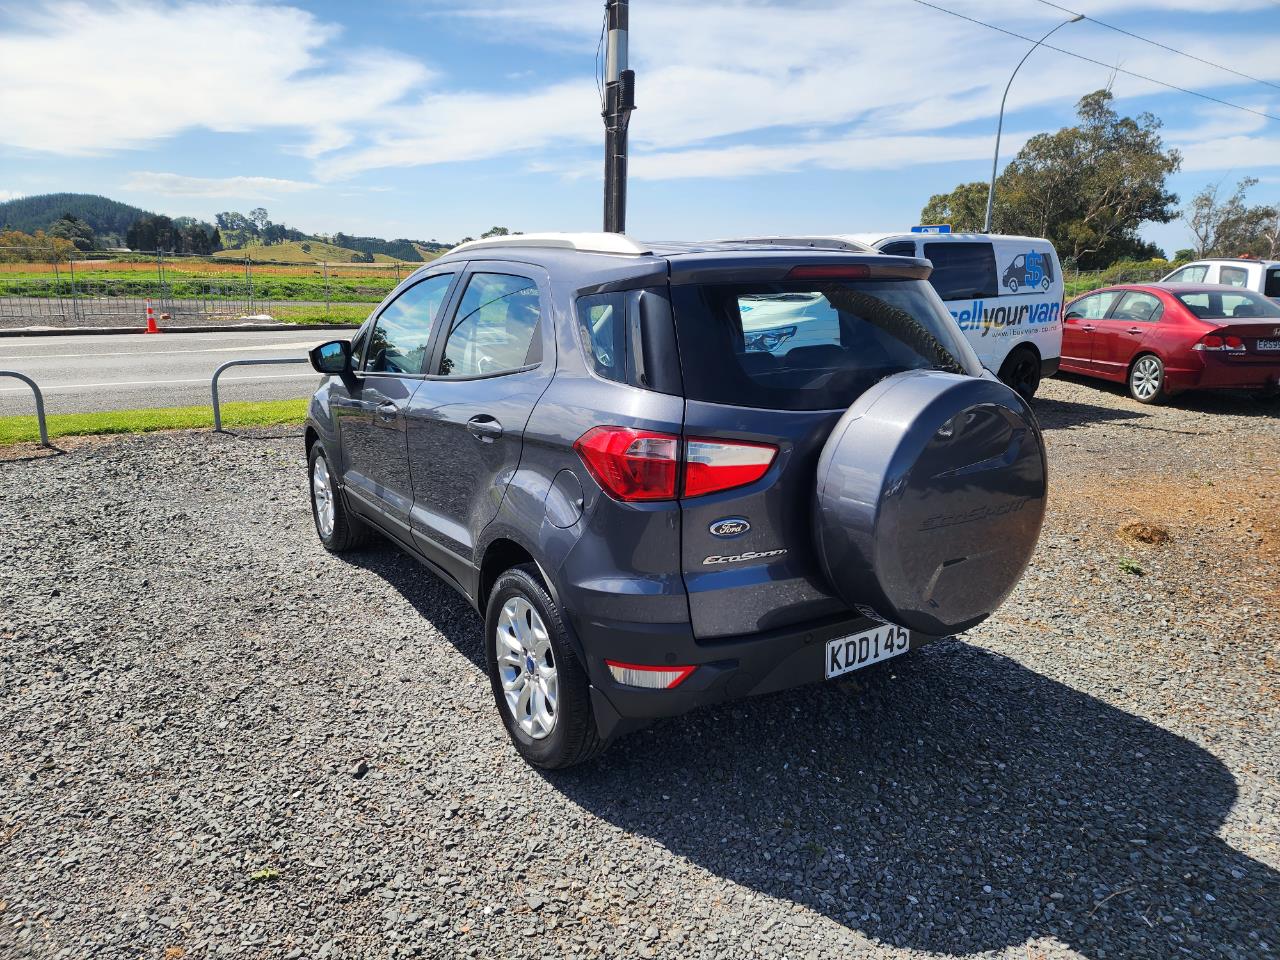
column 1237, row 305
column 1272, row 286
column 810, row 346
column 962, row 271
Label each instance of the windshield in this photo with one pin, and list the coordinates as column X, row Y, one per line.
column 1236, row 305
column 811, row 346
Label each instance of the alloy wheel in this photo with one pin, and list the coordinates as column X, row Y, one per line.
column 1146, row 378
column 527, row 668
column 322, row 496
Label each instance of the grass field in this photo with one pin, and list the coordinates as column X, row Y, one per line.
column 303, row 283
column 291, row 251
column 247, row 414
column 337, row 313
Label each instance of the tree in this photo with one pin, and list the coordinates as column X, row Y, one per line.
column 1230, row 227
column 1087, row 187
column 258, row 217
column 39, row 247
column 965, row 208
column 73, row 229
column 153, row 233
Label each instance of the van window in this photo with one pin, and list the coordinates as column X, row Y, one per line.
column 1193, row 274
column 1234, row 277
column 1272, row 287
column 806, row 346
column 962, row 271
column 900, row 248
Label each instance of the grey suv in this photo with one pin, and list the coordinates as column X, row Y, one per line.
column 674, row 474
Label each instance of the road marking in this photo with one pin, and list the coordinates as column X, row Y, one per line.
column 305, row 344
column 149, row 383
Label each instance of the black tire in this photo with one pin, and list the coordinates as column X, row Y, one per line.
column 1143, row 372
column 1021, row 371
column 1012, row 284
column 349, row 532
column 574, row 738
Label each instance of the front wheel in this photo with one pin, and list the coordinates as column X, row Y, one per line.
column 1021, row 371
column 338, row 530
column 1012, row 284
column 1146, row 379
column 538, row 684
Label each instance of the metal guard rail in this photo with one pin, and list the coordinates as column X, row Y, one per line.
column 35, row 389
column 213, row 384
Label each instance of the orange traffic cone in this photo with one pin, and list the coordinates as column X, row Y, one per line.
column 151, row 320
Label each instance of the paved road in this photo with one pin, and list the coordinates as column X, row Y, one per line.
column 88, row 373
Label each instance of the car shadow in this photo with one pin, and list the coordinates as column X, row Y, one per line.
column 1066, row 414
column 1234, row 403
column 953, row 801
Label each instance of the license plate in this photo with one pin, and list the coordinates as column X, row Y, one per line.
column 1268, row 344
column 846, row 654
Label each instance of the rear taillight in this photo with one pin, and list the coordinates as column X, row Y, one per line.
column 1215, row 343
column 831, row 271
column 714, row 465
column 652, row 678
column 632, row 464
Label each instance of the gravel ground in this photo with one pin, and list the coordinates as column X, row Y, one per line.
column 218, row 740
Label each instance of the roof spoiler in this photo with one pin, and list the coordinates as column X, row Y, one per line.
column 844, row 244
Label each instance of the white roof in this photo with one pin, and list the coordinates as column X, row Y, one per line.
column 873, row 239
column 1243, row 260
column 615, row 243
column 830, row 242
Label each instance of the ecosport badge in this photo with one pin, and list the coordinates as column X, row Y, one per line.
column 728, row 527
column 743, row 557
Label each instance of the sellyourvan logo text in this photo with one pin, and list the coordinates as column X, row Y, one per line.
column 999, row 320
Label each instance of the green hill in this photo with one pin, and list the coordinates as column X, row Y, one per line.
column 299, row 251
column 105, row 215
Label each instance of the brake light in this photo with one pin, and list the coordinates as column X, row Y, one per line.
column 1215, row 343
column 830, row 271
column 714, row 465
column 631, row 464
column 652, row 678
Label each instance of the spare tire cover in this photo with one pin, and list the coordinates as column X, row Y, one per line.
column 930, row 497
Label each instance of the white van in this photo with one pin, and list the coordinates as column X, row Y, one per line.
column 1005, row 293
column 1260, row 276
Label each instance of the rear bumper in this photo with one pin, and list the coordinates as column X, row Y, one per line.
column 1219, row 374
column 727, row 669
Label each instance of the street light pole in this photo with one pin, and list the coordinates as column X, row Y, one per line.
column 619, row 101
column 995, row 161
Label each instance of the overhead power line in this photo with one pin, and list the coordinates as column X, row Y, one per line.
column 1157, row 43
column 1099, row 63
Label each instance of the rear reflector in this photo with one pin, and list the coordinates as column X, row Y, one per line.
column 831, row 271
column 651, row 678
column 715, row 465
column 631, row 464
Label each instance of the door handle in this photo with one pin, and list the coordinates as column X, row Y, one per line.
column 1088, row 327
column 1134, row 330
column 484, row 428
column 387, row 410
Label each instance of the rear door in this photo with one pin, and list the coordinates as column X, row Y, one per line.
column 490, row 363
column 1120, row 335
column 769, row 368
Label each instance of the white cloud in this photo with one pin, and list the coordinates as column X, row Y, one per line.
column 174, row 185
column 83, row 78
column 9, row 195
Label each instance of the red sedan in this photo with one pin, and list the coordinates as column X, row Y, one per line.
column 1164, row 338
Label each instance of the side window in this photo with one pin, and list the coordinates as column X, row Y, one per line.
column 1234, row 276
column 1189, row 275
column 403, row 329
column 1138, row 307
column 1092, row 307
column 962, row 271
column 900, row 248
column 1272, row 287
column 358, row 344
column 602, row 325
column 494, row 328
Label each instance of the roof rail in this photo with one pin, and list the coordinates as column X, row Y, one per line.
column 615, row 243
column 817, row 242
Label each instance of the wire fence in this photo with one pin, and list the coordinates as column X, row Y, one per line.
column 40, row 289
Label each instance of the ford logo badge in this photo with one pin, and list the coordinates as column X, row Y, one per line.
column 729, row 527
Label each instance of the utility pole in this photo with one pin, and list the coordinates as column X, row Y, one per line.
column 619, row 101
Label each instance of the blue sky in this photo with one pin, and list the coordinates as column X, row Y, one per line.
column 429, row 119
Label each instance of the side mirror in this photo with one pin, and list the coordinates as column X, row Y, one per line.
column 1075, row 316
column 332, row 358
